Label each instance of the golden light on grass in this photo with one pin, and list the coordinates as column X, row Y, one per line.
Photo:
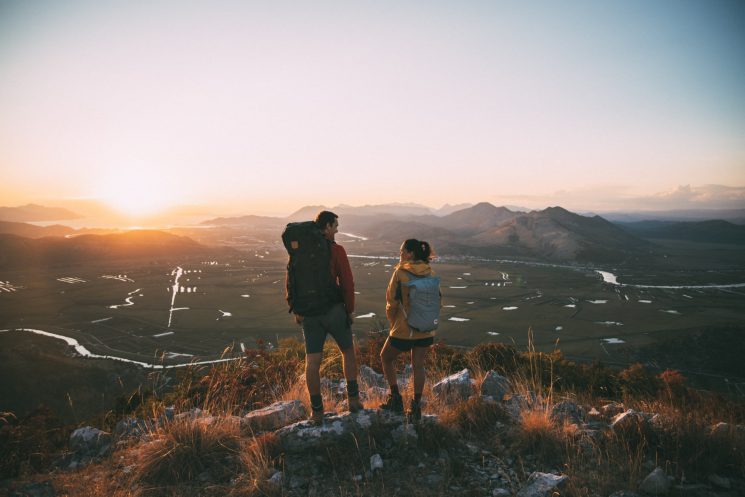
column 186, row 449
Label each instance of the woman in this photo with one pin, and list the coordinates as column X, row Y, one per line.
column 414, row 264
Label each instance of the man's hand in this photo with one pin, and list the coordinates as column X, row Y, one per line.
column 298, row 318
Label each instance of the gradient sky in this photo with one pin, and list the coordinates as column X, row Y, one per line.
column 266, row 106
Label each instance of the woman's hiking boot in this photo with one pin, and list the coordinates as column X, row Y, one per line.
column 414, row 413
column 395, row 403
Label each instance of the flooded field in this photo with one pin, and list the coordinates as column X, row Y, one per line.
column 177, row 311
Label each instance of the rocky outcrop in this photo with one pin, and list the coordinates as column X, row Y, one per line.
column 655, row 483
column 274, row 416
column 542, row 485
column 495, row 385
column 454, row 388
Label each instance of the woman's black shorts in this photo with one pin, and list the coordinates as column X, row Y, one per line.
column 407, row 345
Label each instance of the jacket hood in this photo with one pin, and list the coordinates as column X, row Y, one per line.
column 418, row 268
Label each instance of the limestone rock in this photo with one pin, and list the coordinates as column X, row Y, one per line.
column 369, row 378
column 542, row 484
column 495, row 385
column 628, row 420
column 89, row 441
column 275, row 416
column 656, row 483
column 131, row 427
column 612, row 409
column 566, row 412
column 455, row 387
column 376, row 462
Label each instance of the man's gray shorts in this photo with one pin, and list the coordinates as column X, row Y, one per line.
column 334, row 322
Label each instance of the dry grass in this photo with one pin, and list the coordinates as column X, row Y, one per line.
column 187, row 450
column 537, row 435
column 475, row 418
column 259, row 456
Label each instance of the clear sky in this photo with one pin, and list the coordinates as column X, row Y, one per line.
column 262, row 107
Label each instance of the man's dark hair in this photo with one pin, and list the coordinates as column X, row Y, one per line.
column 324, row 218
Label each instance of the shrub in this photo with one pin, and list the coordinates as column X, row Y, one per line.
column 496, row 356
column 636, row 381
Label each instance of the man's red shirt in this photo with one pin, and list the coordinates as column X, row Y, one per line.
column 341, row 272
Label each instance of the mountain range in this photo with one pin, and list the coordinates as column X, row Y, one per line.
column 481, row 229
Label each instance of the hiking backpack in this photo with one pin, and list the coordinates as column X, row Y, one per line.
column 311, row 290
column 424, row 302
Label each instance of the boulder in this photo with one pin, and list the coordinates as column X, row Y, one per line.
column 376, row 462
column 566, row 412
column 275, row 416
column 131, row 427
column 542, row 485
column 495, row 385
column 628, row 420
column 369, row 378
column 612, row 409
column 656, row 483
column 90, row 442
column 516, row 404
column 454, row 388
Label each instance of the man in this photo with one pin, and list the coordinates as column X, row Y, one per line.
column 336, row 321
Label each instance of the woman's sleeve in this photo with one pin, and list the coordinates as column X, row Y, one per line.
column 391, row 304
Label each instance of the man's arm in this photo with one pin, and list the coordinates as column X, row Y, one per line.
column 342, row 271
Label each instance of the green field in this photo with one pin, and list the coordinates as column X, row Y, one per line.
column 241, row 300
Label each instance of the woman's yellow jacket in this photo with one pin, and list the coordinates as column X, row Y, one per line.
column 397, row 295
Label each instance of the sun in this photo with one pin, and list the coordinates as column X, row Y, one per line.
column 137, row 192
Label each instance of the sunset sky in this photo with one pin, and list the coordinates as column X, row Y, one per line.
column 263, row 107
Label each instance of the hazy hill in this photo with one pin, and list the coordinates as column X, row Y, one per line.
column 477, row 219
column 33, row 231
column 250, row 220
column 17, row 251
column 702, row 231
column 34, row 212
column 556, row 233
column 449, row 209
column 735, row 216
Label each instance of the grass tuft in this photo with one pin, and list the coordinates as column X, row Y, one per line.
column 188, row 450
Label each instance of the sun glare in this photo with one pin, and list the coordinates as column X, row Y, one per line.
column 137, row 193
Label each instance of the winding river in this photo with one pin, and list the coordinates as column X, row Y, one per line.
column 87, row 353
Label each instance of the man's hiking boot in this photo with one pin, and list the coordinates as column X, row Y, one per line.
column 395, row 403
column 414, row 413
column 354, row 404
column 316, row 417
